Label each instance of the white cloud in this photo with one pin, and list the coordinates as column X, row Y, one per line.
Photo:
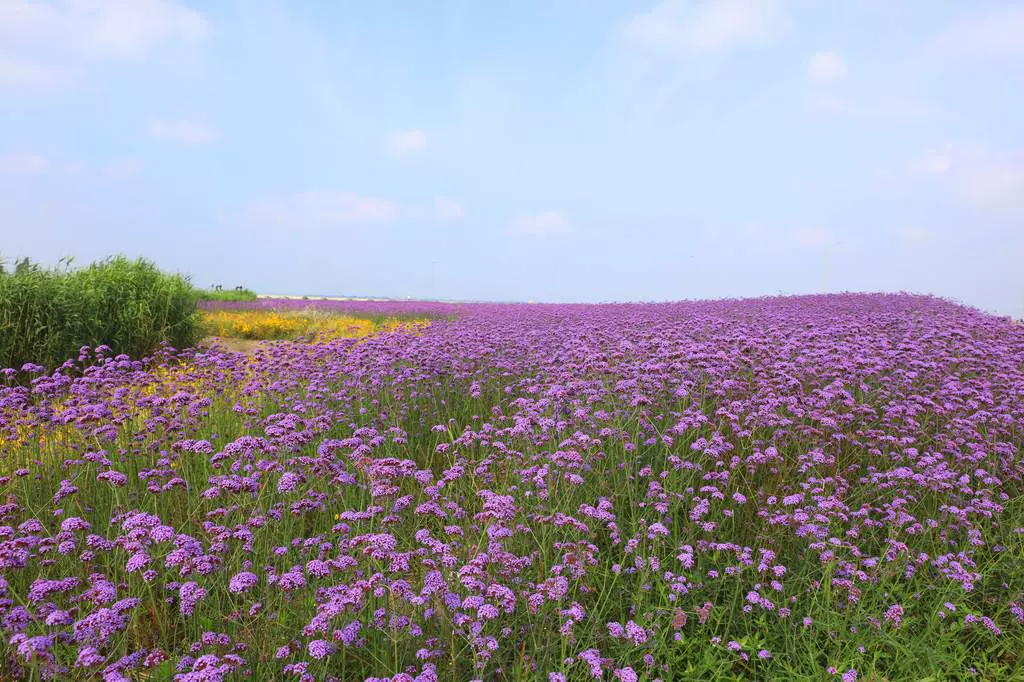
column 826, row 67
column 993, row 33
column 988, row 181
column 933, row 161
column 186, row 132
column 320, row 208
column 708, row 26
column 446, row 209
column 45, row 42
column 406, row 142
column 23, row 163
column 549, row 222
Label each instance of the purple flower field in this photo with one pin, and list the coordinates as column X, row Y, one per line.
column 805, row 488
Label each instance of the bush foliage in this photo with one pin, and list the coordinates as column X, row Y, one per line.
column 48, row 314
column 232, row 295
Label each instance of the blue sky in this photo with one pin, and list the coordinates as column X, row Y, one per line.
column 560, row 150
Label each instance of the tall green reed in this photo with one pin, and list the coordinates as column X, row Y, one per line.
column 48, row 314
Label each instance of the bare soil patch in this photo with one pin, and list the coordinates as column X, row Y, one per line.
column 247, row 346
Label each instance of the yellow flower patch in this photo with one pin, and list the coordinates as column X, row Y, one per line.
column 269, row 324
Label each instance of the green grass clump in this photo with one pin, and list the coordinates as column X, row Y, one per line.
column 228, row 295
column 48, row 314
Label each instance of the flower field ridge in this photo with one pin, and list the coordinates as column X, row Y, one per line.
column 800, row 488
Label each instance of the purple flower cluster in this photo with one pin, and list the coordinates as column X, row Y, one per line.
column 527, row 492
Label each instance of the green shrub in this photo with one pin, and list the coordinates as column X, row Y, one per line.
column 228, row 295
column 47, row 315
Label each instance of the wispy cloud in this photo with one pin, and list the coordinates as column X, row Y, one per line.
column 549, row 222
column 988, row 181
column 826, row 71
column 406, row 142
column 19, row 72
column 184, row 131
column 991, row 182
column 826, row 67
column 914, row 236
column 995, row 32
column 887, row 106
column 447, row 210
column 29, row 163
column 23, row 163
column 320, row 208
column 45, row 43
column 124, row 168
column 108, row 28
column 815, row 238
column 828, row 103
column 708, row 26
column 932, row 162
